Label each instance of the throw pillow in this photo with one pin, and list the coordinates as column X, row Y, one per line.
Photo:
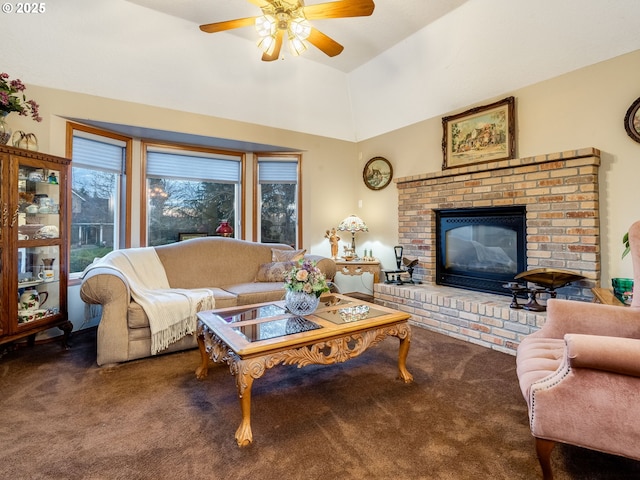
column 286, row 255
column 274, row 271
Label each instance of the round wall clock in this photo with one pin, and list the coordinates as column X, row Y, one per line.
column 632, row 121
column 377, row 173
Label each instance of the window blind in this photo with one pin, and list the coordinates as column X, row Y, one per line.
column 97, row 155
column 189, row 167
column 277, row 172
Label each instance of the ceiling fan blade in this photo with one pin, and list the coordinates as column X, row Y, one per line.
column 343, row 8
column 228, row 25
column 259, row 3
column 276, row 51
column 328, row 45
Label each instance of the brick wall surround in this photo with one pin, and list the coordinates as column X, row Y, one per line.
column 560, row 192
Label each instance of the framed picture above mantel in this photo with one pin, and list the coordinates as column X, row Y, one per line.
column 479, row 135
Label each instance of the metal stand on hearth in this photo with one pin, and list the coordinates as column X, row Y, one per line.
column 545, row 280
column 405, row 267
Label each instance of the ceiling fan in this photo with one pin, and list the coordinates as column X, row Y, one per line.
column 291, row 18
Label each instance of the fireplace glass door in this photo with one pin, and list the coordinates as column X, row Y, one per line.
column 480, row 248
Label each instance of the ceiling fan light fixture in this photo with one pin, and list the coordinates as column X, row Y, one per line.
column 265, row 25
column 296, row 45
column 288, row 19
column 267, row 44
column 300, row 28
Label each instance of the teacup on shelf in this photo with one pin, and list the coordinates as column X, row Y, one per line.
column 25, row 316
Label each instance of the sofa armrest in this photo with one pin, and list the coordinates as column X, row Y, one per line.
column 586, row 405
column 102, row 285
column 597, row 352
column 570, row 316
column 325, row 264
column 107, row 287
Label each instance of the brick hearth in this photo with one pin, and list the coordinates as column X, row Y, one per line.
column 560, row 192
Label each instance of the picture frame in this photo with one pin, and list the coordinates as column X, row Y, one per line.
column 479, row 135
column 377, row 173
column 190, row 235
column 632, row 120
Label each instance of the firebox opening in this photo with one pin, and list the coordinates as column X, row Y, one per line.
column 480, row 248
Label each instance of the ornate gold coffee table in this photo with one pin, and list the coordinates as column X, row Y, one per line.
column 254, row 338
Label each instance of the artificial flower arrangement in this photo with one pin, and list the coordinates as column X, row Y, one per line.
column 306, row 277
column 13, row 99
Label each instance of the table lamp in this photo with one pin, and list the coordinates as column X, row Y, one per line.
column 353, row 224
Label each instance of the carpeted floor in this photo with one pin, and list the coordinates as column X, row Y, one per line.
column 463, row 418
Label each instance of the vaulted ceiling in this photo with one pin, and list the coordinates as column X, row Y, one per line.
column 409, row 61
column 364, row 38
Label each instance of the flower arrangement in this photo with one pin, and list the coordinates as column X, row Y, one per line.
column 306, row 277
column 13, row 99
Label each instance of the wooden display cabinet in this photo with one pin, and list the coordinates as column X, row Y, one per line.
column 35, row 204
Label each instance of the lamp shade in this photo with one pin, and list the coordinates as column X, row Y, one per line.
column 352, row 224
column 224, row 229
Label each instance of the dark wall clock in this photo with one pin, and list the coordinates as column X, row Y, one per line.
column 632, row 121
column 377, row 173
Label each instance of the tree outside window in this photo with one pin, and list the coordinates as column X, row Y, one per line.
column 190, row 191
column 278, row 196
column 184, row 206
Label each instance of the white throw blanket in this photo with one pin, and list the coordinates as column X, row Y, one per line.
column 171, row 311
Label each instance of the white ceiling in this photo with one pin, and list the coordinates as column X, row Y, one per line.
column 410, row 61
column 363, row 38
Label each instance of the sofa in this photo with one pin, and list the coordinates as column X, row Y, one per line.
column 580, row 374
column 237, row 272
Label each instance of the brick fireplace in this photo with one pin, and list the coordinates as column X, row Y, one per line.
column 560, row 194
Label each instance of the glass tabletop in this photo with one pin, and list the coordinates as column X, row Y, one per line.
column 275, row 328
column 253, row 313
column 272, row 320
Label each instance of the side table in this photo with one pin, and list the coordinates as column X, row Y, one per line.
column 358, row 267
column 353, row 268
column 606, row 296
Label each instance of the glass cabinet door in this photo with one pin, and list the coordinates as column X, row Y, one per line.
column 39, row 245
column 38, row 203
column 38, row 283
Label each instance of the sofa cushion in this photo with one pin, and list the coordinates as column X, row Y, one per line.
column 274, row 271
column 257, row 292
column 279, row 255
column 137, row 318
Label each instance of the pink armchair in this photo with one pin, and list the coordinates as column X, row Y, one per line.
column 580, row 374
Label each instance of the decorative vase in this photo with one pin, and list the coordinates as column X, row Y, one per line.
column 26, row 141
column 623, row 289
column 5, row 129
column 301, row 303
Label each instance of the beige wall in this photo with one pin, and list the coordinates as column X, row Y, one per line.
column 581, row 109
column 328, row 165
